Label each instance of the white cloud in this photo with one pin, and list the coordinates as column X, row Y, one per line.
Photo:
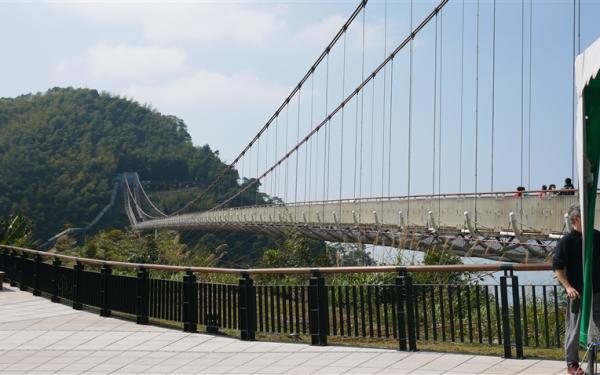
column 133, row 61
column 320, row 33
column 175, row 21
column 223, row 110
column 207, row 89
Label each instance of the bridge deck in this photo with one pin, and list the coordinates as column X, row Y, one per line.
column 494, row 226
column 39, row 337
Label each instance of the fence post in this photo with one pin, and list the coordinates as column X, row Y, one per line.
column 4, row 262
column 56, row 276
column 517, row 316
column 505, row 316
column 400, row 297
column 190, row 302
column 592, row 355
column 15, row 268
column 318, row 309
column 36, row 275
column 410, row 313
column 76, row 286
column 105, row 273
column 142, row 296
column 247, row 308
column 22, row 273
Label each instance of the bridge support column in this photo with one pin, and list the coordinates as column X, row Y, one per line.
column 36, row 275
column 105, row 293
column 247, row 308
column 142, row 296
column 190, row 302
column 55, row 280
column 77, row 286
column 318, row 309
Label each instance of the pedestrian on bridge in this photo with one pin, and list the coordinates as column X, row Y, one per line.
column 568, row 268
column 568, row 188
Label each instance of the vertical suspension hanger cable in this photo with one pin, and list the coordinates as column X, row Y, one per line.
column 241, row 177
column 372, row 137
column 493, row 94
column 287, row 160
column 384, row 105
column 270, row 183
column 522, row 81
column 462, row 84
column 257, row 168
column 434, row 112
column 576, row 51
column 529, row 94
column 356, row 122
column 310, row 142
column 342, row 132
column 298, row 153
column 275, row 190
column 410, row 91
column 362, row 115
column 440, row 119
column 476, row 110
column 389, row 194
column 342, row 124
column 573, row 90
column 326, row 137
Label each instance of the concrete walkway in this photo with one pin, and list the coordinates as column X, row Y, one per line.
column 40, row 337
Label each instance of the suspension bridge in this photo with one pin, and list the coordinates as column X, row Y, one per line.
column 413, row 141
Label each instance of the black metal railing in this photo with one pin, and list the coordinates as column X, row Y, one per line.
column 509, row 315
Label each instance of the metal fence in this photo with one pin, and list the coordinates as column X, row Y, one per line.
column 509, row 315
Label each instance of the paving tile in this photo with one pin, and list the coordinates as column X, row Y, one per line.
column 39, row 337
column 363, row 370
column 333, row 370
column 278, row 369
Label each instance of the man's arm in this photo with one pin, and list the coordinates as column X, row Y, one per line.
column 572, row 293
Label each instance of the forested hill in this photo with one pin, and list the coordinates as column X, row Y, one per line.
column 60, row 151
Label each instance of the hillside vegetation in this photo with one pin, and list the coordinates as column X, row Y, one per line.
column 60, row 151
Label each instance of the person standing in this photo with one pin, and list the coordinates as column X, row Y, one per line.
column 567, row 264
column 568, row 188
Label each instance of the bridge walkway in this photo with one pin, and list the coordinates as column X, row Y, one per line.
column 39, row 337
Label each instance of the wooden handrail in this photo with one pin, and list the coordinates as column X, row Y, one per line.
column 490, row 267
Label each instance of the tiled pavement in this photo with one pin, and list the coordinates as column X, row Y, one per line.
column 40, row 337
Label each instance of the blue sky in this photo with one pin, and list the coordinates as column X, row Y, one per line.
column 224, row 67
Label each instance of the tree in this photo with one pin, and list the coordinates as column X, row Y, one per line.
column 60, row 151
column 296, row 251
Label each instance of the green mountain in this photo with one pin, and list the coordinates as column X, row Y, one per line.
column 60, row 151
